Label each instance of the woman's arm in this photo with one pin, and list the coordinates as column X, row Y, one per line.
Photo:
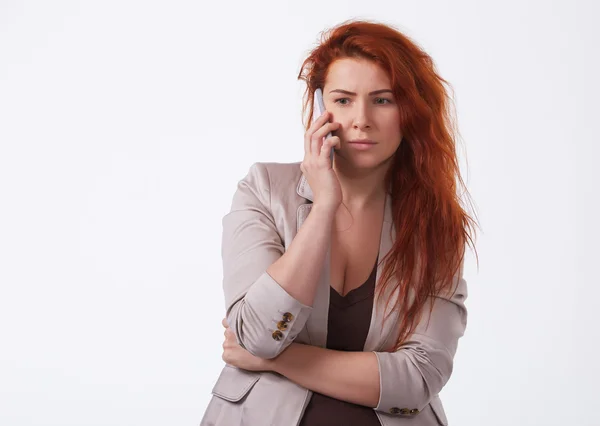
column 263, row 283
column 308, row 247
column 408, row 378
column 348, row 376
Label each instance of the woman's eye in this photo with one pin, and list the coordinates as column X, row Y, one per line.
column 376, row 99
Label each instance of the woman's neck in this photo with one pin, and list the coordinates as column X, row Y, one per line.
column 361, row 188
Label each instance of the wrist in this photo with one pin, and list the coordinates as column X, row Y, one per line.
column 269, row 365
column 275, row 364
column 327, row 210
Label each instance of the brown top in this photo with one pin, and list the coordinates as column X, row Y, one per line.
column 347, row 328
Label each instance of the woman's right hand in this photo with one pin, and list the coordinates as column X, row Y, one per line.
column 316, row 165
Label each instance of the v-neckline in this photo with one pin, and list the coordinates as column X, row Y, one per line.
column 356, row 294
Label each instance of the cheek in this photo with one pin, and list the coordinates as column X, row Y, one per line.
column 393, row 122
column 393, row 132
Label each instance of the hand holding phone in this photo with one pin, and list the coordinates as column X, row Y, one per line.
column 319, row 109
column 317, row 169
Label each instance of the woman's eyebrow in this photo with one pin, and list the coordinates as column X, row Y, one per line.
column 376, row 92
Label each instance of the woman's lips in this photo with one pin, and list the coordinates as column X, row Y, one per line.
column 361, row 146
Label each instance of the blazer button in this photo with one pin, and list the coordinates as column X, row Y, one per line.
column 287, row 317
column 277, row 335
column 394, row 410
column 282, row 325
column 405, row 411
column 414, row 411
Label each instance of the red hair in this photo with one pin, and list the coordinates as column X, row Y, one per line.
column 432, row 228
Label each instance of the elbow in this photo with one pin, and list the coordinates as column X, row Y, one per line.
column 254, row 334
column 266, row 319
column 411, row 378
column 434, row 365
column 260, row 346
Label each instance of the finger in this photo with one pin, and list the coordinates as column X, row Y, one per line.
column 325, row 148
column 325, row 153
column 316, row 124
column 230, row 337
column 315, row 144
column 327, row 128
column 317, row 139
column 319, row 121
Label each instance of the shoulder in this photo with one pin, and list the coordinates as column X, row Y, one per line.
column 274, row 177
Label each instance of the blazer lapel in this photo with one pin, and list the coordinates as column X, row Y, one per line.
column 316, row 324
column 377, row 336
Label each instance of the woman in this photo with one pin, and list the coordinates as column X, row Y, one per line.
column 344, row 284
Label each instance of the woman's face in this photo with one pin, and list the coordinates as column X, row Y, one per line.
column 348, row 96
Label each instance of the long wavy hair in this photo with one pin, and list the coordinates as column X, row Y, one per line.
column 432, row 228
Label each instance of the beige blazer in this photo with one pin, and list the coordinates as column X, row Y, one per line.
column 269, row 206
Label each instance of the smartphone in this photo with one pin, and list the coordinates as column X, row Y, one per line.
column 319, row 109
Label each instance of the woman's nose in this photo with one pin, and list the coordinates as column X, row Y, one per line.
column 362, row 119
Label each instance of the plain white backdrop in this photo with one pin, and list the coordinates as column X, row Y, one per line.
column 126, row 125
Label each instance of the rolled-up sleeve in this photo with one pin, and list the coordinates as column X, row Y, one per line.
column 411, row 376
column 263, row 316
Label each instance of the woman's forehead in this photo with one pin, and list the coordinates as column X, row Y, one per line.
column 356, row 75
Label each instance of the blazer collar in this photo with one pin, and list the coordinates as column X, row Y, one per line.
column 303, row 188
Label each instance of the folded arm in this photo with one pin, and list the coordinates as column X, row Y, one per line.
column 348, row 376
column 408, row 378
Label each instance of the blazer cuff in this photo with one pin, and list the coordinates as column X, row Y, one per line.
column 279, row 317
column 401, row 385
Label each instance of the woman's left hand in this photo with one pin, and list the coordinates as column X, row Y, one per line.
column 234, row 354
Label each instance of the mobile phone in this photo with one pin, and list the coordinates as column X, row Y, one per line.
column 319, row 109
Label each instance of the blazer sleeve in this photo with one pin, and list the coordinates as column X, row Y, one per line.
column 263, row 316
column 414, row 374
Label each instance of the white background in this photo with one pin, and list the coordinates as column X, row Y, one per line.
column 126, row 125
